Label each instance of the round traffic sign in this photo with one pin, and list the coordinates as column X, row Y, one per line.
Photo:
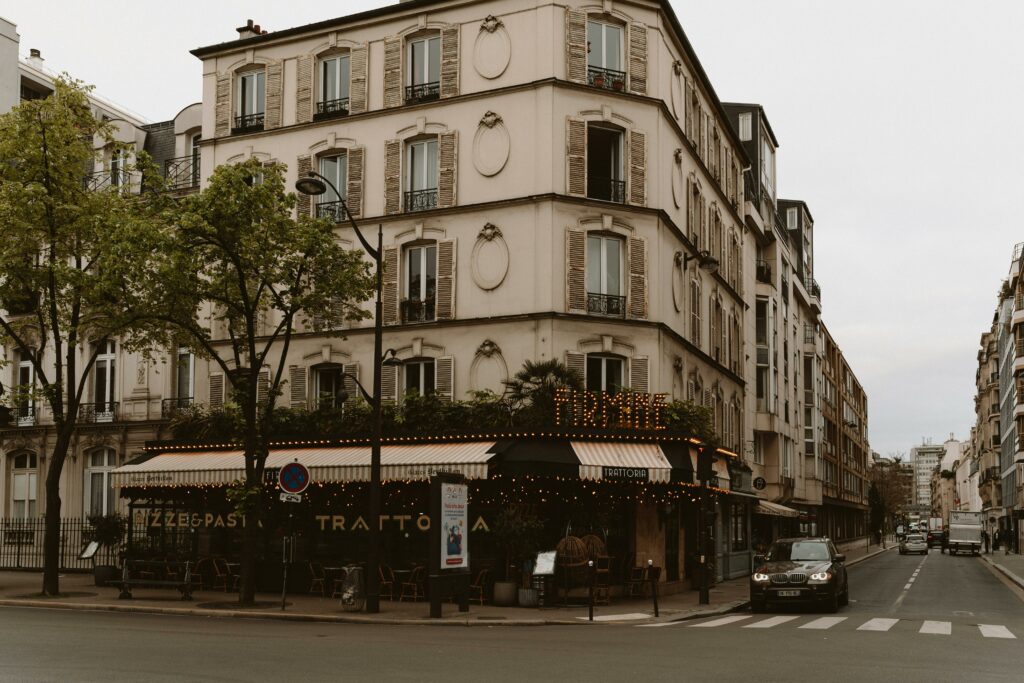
column 293, row 478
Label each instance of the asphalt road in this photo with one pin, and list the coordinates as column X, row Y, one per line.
column 930, row 631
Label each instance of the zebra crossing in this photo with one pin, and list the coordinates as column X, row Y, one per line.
column 874, row 624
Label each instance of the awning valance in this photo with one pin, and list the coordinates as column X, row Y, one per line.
column 765, row 507
column 622, row 461
column 328, row 464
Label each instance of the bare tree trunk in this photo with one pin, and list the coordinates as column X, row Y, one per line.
column 51, row 537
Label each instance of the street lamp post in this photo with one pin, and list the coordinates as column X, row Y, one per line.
column 316, row 184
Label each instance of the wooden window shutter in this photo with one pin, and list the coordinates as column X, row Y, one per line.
column 393, row 72
column 222, row 106
column 304, row 203
column 576, row 155
column 446, row 258
column 708, row 400
column 389, row 293
column 637, row 277
column 216, row 390
column 388, row 384
column 354, row 202
column 637, row 168
column 297, row 388
column 304, row 89
column 351, row 370
column 578, row 362
column 357, row 80
column 576, row 270
column 576, row 45
column 393, row 176
column 447, row 177
column 444, row 378
column 639, row 374
column 450, row 61
column 272, row 115
column 691, row 390
column 638, row 58
column 263, row 387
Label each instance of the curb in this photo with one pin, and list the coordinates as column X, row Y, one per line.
column 869, row 556
column 1005, row 572
column 735, row 606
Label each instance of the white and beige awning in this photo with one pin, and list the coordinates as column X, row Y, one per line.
column 326, row 464
column 622, row 461
column 765, row 507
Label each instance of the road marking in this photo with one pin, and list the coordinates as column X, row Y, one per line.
column 903, row 595
column 823, row 623
column 994, row 631
column 939, row 628
column 879, row 624
column 770, row 622
column 721, row 622
column 907, row 587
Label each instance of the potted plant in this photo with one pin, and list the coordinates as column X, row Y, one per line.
column 518, row 532
column 618, row 84
column 108, row 531
column 599, row 80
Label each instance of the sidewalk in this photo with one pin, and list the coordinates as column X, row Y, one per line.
column 1011, row 566
column 22, row 588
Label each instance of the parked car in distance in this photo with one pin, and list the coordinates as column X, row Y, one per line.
column 800, row 571
column 913, row 543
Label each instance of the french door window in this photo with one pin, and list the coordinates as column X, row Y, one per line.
column 335, row 81
column 100, row 497
column 419, row 377
column 251, row 98
column 424, row 64
column 422, row 175
column 23, row 486
column 335, row 169
column 105, row 377
column 186, row 376
column 25, row 408
column 329, row 382
column 420, row 283
column 605, row 373
column 605, row 294
column 605, row 176
column 604, row 56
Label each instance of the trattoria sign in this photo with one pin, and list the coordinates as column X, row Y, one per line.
column 621, row 410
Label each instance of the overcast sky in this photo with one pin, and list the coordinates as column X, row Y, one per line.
column 896, row 122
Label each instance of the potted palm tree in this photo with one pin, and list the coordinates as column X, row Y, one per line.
column 108, row 531
column 517, row 529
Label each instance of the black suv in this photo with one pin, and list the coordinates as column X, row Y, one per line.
column 805, row 571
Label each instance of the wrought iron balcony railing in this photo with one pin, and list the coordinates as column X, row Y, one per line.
column 170, row 407
column 104, row 411
column 108, row 180
column 418, row 310
column 421, row 200
column 763, row 271
column 182, row 173
column 334, row 210
column 749, row 187
column 606, row 189
column 329, row 109
column 606, row 304
column 812, row 287
column 422, row 92
column 609, row 79
column 809, row 333
column 25, row 415
column 247, row 123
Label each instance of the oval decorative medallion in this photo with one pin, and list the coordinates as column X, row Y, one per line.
column 488, row 370
column 491, row 145
column 490, row 258
column 677, row 179
column 492, row 50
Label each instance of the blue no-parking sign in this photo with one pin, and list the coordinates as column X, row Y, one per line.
column 293, row 478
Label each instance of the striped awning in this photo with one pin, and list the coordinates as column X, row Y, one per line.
column 622, row 461
column 765, row 507
column 329, row 464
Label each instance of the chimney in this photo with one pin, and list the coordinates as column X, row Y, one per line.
column 248, row 31
column 35, row 58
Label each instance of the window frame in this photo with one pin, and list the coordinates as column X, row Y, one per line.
column 342, row 78
column 106, row 358
column 30, row 472
column 246, row 98
column 617, row 172
column 340, row 180
column 421, row 364
column 108, row 504
column 602, row 384
column 426, row 253
column 429, row 40
column 605, row 26
column 745, row 126
column 186, row 353
column 337, row 373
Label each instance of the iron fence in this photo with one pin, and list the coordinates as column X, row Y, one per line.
column 609, row 79
column 248, row 122
column 422, row 92
column 170, row 407
column 421, row 200
column 606, row 304
column 607, row 189
column 21, row 544
column 335, row 210
column 331, row 108
column 182, row 173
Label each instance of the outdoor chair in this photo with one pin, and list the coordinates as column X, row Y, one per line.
column 198, row 574
column 316, row 581
column 338, row 584
column 602, row 580
column 222, row 576
column 387, row 582
column 413, row 588
column 479, row 586
column 637, row 584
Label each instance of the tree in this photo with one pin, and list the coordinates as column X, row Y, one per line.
column 888, row 489
column 59, row 304
column 231, row 274
column 531, row 391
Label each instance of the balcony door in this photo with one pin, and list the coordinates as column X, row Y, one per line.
column 26, row 408
column 104, row 384
column 605, row 288
column 420, row 283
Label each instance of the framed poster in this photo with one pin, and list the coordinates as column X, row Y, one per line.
column 454, row 526
column 545, row 563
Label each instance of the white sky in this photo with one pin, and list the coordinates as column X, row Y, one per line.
column 896, row 122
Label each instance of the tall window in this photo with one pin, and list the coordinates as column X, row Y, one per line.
column 767, row 166
column 604, row 56
column 422, row 175
column 695, row 312
column 23, row 486
column 118, row 164
column 335, row 76
column 251, row 98
column 605, row 291
column 104, row 383
column 605, row 173
column 745, row 127
column 184, row 391
column 196, row 139
column 605, row 373
column 335, row 169
column 420, row 283
column 26, row 408
column 419, row 376
column 328, row 383
column 100, row 497
column 424, row 63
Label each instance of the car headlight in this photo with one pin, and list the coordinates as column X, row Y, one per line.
column 821, row 577
column 760, row 577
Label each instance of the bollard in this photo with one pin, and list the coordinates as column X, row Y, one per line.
column 653, row 576
column 590, row 581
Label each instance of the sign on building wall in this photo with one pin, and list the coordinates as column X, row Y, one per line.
column 621, row 410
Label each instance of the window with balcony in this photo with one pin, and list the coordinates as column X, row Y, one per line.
column 334, row 83
column 117, row 166
column 419, row 303
column 185, row 389
column 424, row 69
column 605, row 59
column 25, row 407
column 605, row 373
column 24, row 482
column 419, row 376
column 250, row 102
column 329, row 204
column 104, row 384
column 328, row 383
column 606, row 178
column 99, row 496
column 421, row 179
column 605, row 286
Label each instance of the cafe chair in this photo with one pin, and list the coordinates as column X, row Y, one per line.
column 413, row 588
column 637, row 584
column 198, row 575
column 479, row 585
column 316, row 581
column 338, row 584
column 387, row 582
column 222, row 576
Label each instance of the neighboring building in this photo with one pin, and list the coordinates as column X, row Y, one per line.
column 9, row 76
column 986, row 436
column 968, row 476
column 925, row 458
column 1010, row 354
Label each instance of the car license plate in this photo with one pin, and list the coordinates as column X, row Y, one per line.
column 789, row 594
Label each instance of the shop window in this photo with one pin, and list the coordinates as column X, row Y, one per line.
column 605, row 289
column 419, row 377
column 605, row 373
column 605, row 173
column 422, row 164
column 334, row 82
column 250, row 102
column 328, row 383
column 605, row 56
column 329, row 204
column 100, row 497
column 424, row 69
column 420, row 301
column 23, row 486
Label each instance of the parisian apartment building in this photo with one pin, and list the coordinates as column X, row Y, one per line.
column 552, row 182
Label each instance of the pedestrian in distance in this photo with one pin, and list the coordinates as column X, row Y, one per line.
column 984, row 539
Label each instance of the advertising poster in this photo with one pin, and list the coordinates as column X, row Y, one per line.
column 454, row 528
